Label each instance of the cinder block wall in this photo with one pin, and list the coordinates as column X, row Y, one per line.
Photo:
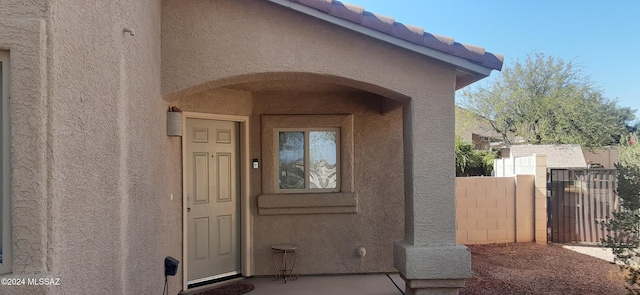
column 541, row 199
column 495, row 209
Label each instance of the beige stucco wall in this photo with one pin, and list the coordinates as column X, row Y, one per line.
column 93, row 169
column 23, row 33
column 217, row 101
column 328, row 242
column 89, row 183
column 607, row 156
column 24, row 9
column 112, row 219
column 208, row 45
column 496, row 209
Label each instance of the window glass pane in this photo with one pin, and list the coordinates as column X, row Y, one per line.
column 323, row 159
column 291, row 150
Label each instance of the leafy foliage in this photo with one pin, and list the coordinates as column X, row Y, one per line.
column 463, row 151
column 470, row 162
column 545, row 100
column 623, row 229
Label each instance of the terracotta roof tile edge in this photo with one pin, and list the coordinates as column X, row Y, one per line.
column 417, row 35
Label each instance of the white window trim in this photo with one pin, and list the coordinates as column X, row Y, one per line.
column 7, row 254
column 307, row 161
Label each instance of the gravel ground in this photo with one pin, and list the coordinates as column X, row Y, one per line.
column 528, row 268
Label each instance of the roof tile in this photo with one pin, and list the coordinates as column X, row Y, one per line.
column 377, row 22
column 467, row 51
column 322, row 5
column 493, row 61
column 441, row 43
column 349, row 12
column 413, row 34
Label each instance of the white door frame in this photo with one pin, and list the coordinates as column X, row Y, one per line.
column 245, row 233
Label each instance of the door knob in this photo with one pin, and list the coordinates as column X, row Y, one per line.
column 188, row 209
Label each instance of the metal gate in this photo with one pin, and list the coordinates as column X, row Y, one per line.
column 577, row 200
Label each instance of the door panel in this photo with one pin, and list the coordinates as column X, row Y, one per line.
column 224, row 177
column 201, row 178
column 202, row 237
column 213, row 212
column 225, row 229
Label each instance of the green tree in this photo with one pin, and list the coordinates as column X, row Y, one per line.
column 545, row 100
column 623, row 229
column 463, row 152
column 470, row 162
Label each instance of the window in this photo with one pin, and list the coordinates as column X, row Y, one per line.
column 5, row 225
column 308, row 160
column 307, row 165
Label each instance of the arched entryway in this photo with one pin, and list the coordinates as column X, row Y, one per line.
column 365, row 209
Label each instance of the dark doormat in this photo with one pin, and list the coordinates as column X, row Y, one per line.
column 234, row 288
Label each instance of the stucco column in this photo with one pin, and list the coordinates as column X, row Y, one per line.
column 428, row 258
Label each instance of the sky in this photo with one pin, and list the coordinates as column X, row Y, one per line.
column 602, row 37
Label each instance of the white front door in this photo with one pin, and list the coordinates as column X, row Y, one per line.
column 213, row 211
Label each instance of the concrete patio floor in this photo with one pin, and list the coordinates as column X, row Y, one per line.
column 370, row 284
